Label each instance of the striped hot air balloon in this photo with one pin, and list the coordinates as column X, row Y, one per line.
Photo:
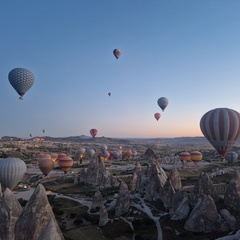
column 221, row 127
column 11, row 172
column 65, row 163
column 93, row 132
column 196, row 157
column 184, row 156
column 231, row 157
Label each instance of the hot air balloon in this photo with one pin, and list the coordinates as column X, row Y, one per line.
column 221, row 127
column 231, row 157
column 21, row 80
column 105, row 155
column 103, row 147
column 116, row 154
column 196, row 157
column 11, row 172
column 30, row 135
column 129, row 153
column 109, row 94
column 45, row 163
column 79, row 154
column 93, row 132
column 134, row 153
column 44, row 131
column 90, row 152
column 54, row 156
column 157, row 116
column 162, row 102
column 117, row 53
column 65, row 163
column 184, row 156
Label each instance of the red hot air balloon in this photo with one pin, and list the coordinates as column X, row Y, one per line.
column 117, row 53
column 93, row 132
column 221, row 127
column 65, row 163
column 157, row 116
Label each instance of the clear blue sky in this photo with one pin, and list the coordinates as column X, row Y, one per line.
column 187, row 51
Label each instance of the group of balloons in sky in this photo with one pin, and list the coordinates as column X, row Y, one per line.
column 162, row 103
column 23, row 79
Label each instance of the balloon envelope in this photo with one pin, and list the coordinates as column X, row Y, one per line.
column 93, row 132
column 184, row 156
column 196, row 157
column 157, row 116
column 45, row 163
column 221, row 127
column 231, row 157
column 117, row 53
column 11, row 172
column 21, row 80
column 65, row 163
column 162, row 102
column 90, row 152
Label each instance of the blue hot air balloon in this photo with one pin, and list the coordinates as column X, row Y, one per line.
column 21, row 79
column 11, row 172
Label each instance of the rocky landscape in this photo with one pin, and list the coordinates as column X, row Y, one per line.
column 152, row 195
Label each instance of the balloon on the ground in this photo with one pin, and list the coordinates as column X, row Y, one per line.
column 21, row 80
column 196, row 157
column 162, row 102
column 93, row 132
column 103, row 147
column 45, row 163
column 116, row 154
column 221, row 127
column 184, row 156
column 117, row 53
column 65, row 163
column 157, row 116
column 231, row 157
column 12, row 171
column 134, row 153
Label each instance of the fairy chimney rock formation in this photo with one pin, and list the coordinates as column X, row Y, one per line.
column 96, row 175
column 204, row 186
column 156, row 181
column 135, row 177
column 50, row 231
column 232, row 194
column 103, row 220
column 35, row 217
column 97, row 200
column 123, row 201
column 205, row 218
column 175, row 179
column 10, row 210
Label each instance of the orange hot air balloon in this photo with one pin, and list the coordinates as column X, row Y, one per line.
column 129, row 153
column 184, row 156
column 157, row 116
column 117, row 53
column 196, row 157
column 93, row 132
column 65, row 163
column 54, row 156
column 45, row 163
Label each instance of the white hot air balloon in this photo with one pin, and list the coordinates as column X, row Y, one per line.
column 11, row 172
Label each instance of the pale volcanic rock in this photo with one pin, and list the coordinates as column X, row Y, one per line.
column 123, row 201
column 96, row 175
column 10, row 210
column 156, row 181
column 204, row 186
column 205, row 218
column 180, row 206
column 103, row 220
column 35, row 217
column 134, row 180
column 97, row 200
column 168, row 193
column 175, row 178
column 229, row 218
column 51, row 232
column 232, row 194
